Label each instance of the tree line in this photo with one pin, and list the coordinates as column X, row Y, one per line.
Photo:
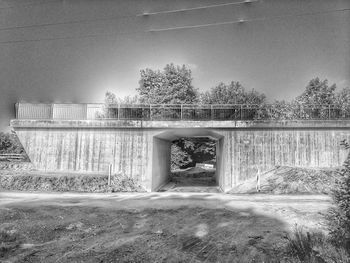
column 174, row 85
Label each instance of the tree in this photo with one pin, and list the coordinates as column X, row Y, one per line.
column 232, row 93
column 339, row 216
column 179, row 157
column 343, row 103
column 112, row 100
column 173, row 85
column 9, row 143
column 316, row 99
column 318, row 92
column 189, row 151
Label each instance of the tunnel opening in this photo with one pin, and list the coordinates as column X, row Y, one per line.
column 193, row 164
column 187, row 160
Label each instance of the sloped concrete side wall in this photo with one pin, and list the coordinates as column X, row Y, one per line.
column 91, row 150
column 161, row 162
column 220, row 164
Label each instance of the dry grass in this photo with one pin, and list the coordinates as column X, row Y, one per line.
column 292, row 180
column 35, row 181
column 313, row 247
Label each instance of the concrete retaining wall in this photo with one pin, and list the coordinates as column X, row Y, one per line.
column 144, row 153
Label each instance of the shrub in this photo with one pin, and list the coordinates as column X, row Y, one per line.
column 313, row 247
column 339, row 216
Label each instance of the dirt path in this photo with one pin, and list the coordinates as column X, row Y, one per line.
column 150, row 227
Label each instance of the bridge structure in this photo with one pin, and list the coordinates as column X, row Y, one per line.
column 136, row 139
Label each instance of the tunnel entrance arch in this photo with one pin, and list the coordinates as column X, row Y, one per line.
column 161, row 156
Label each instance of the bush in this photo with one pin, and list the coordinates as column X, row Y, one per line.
column 9, row 143
column 339, row 216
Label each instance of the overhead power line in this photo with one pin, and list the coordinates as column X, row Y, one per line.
column 173, row 28
column 247, row 20
column 197, row 8
column 117, row 17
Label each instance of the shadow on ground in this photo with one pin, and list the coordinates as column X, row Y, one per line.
column 73, row 231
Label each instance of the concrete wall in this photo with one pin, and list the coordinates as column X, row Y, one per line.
column 161, row 163
column 220, row 163
column 136, row 152
column 91, row 150
column 247, row 150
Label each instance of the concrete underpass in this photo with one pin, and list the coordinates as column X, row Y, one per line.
column 56, row 138
column 162, row 153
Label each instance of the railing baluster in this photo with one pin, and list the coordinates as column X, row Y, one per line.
column 181, row 108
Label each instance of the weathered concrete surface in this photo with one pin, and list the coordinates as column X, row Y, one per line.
column 160, row 163
column 144, row 153
column 272, row 124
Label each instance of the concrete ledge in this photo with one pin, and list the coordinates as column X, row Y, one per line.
column 255, row 124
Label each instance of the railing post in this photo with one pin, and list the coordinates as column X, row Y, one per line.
column 51, row 110
column 181, row 116
column 118, row 114
column 150, row 111
column 211, row 113
column 329, row 111
column 16, row 109
column 86, row 111
column 241, row 112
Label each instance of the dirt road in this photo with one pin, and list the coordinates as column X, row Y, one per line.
column 150, row 227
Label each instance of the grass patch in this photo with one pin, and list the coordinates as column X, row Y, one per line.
column 10, row 240
column 292, row 180
column 68, row 182
column 313, row 247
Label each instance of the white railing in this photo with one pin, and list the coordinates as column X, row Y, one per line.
column 91, row 111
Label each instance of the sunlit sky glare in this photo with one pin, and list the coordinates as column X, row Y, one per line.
column 91, row 46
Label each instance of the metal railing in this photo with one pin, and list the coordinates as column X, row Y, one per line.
column 180, row 112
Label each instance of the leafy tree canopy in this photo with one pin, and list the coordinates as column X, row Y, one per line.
column 111, row 98
column 317, row 92
column 232, row 93
column 173, row 85
column 189, row 151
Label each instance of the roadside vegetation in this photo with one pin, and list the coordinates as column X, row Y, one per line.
column 26, row 180
column 291, row 180
column 317, row 247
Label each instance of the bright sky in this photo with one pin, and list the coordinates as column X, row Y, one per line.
column 80, row 49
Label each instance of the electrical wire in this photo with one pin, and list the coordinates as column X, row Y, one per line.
column 247, row 20
column 174, row 28
column 198, row 8
column 125, row 16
